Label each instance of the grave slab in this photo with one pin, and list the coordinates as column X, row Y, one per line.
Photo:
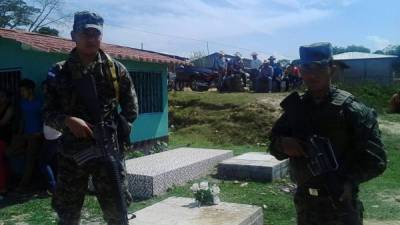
column 256, row 166
column 183, row 211
column 154, row 174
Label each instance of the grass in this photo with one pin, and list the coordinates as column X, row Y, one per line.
column 220, row 119
column 382, row 195
column 195, row 118
column 373, row 95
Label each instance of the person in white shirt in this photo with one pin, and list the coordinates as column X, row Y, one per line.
column 255, row 63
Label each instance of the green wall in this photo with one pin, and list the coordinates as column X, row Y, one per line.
column 35, row 64
column 150, row 125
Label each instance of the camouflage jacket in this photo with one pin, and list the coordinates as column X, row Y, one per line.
column 352, row 129
column 61, row 99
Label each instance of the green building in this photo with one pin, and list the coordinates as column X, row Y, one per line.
column 30, row 55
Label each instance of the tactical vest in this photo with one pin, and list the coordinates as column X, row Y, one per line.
column 109, row 69
column 329, row 120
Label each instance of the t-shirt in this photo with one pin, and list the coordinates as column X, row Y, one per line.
column 255, row 64
column 277, row 71
column 32, row 115
column 220, row 63
column 296, row 71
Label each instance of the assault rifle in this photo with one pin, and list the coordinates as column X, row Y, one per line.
column 321, row 158
column 106, row 148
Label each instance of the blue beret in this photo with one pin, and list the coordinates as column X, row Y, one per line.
column 320, row 53
column 85, row 19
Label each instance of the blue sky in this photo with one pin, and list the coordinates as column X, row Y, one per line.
column 275, row 27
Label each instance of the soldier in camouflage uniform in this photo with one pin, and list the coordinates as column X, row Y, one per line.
column 354, row 135
column 66, row 112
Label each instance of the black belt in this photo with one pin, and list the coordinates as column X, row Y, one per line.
column 314, row 191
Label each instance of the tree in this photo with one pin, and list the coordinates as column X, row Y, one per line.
column 350, row 48
column 48, row 31
column 338, row 50
column 394, row 50
column 49, row 13
column 198, row 58
column 284, row 62
column 357, row 48
column 196, row 55
column 15, row 13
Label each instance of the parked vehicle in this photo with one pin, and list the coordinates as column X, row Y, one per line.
column 198, row 78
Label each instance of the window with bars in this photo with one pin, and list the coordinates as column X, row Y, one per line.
column 9, row 80
column 149, row 90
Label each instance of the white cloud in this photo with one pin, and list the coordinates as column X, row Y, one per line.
column 378, row 42
column 200, row 19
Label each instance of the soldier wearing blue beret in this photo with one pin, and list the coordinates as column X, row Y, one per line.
column 82, row 122
column 332, row 142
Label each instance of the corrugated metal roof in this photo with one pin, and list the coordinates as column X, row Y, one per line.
column 361, row 55
column 61, row 45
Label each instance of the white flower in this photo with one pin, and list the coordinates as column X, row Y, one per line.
column 204, row 185
column 195, row 187
column 215, row 190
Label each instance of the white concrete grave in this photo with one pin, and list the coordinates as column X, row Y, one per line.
column 154, row 174
column 183, row 211
column 257, row 166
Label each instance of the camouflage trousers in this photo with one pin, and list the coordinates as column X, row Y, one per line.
column 72, row 186
column 323, row 210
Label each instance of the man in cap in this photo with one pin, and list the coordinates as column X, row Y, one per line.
column 264, row 79
column 67, row 111
column 221, row 66
column 220, row 62
column 236, row 68
column 236, row 63
column 332, row 141
column 271, row 60
column 255, row 64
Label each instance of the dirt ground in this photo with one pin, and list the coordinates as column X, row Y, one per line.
column 374, row 222
column 273, row 99
column 390, row 127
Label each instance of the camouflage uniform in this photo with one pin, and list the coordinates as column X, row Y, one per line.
column 62, row 100
column 355, row 137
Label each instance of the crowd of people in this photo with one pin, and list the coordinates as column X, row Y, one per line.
column 268, row 76
column 27, row 146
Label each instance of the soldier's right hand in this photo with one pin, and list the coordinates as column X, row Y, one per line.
column 79, row 127
column 291, row 146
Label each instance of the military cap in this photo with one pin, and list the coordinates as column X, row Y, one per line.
column 320, row 53
column 86, row 19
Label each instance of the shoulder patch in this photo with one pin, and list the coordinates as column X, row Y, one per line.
column 340, row 97
column 363, row 114
column 55, row 69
